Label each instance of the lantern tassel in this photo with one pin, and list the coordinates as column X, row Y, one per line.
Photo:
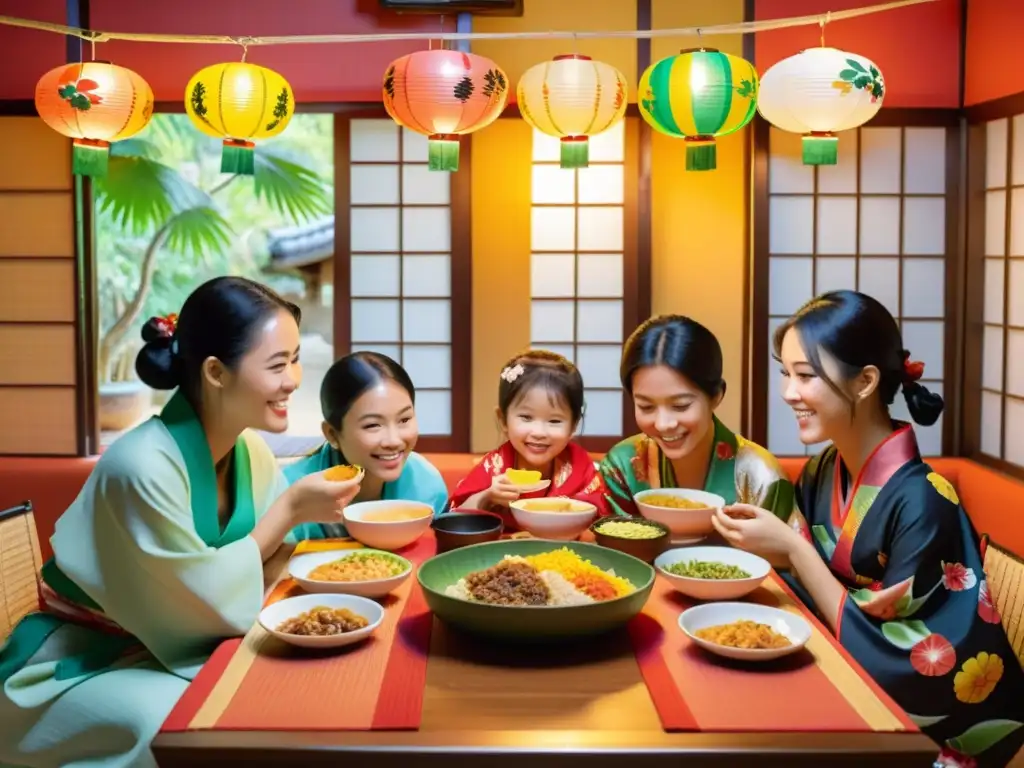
column 238, row 157
column 442, row 152
column 820, row 149
column 701, row 153
column 89, row 157
column 575, row 152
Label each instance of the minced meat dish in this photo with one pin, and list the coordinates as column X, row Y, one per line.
column 508, row 583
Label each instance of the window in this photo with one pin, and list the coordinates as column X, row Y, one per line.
column 582, row 249
column 407, row 271
column 1002, row 353
column 876, row 222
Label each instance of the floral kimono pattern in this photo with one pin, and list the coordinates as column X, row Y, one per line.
column 740, row 472
column 573, row 476
column 917, row 615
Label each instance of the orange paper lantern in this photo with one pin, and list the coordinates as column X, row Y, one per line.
column 444, row 94
column 94, row 103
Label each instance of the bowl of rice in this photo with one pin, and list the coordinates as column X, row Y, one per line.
column 531, row 590
column 363, row 572
column 712, row 573
column 639, row 537
column 685, row 511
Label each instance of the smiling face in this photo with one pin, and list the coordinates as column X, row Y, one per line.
column 539, row 425
column 255, row 394
column 672, row 410
column 379, row 431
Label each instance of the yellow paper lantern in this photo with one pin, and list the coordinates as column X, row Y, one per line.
column 239, row 102
column 698, row 95
column 94, row 103
column 572, row 97
column 819, row 92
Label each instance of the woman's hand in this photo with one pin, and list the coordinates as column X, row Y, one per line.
column 315, row 499
column 755, row 529
column 503, row 491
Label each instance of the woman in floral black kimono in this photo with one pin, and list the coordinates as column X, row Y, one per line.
column 880, row 545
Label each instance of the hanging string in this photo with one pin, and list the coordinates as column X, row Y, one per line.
column 739, row 28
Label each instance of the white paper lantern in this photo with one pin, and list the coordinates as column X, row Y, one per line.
column 819, row 92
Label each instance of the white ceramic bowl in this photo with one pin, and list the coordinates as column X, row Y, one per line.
column 564, row 526
column 533, row 487
column 714, row 589
column 300, row 566
column 683, row 523
column 794, row 627
column 274, row 615
column 386, row 535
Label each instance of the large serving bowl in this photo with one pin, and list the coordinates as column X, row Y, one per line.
column 532, row 623
column 682, row 522
column 714, row 589
column 553, row 518
column 387, row 534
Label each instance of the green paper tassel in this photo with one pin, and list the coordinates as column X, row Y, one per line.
column 90, row 158
column 443, row 153
column 701, row 157
column 575, row 152
column 238, row 157
column 821, row 150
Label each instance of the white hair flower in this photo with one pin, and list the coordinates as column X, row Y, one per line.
column 511, row 373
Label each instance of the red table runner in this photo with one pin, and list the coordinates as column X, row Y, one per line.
column 260, row 683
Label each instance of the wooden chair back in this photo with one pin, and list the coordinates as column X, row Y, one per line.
column 20, row 565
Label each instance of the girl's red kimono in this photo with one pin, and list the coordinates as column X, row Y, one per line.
column 573, row 476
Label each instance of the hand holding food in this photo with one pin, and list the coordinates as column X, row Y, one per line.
column 317, row 498
column 502, row 491
column 754, row 529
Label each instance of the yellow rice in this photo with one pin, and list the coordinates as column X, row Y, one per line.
column 571, row 565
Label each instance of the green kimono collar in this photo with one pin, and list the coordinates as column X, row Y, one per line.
column 186, row 430
column 721, row 477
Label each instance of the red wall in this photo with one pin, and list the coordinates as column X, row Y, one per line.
column 322, row 72
column 995, row 55
column 917, row 47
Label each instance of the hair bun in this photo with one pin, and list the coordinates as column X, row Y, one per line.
column 156, row 363
column 924, row 405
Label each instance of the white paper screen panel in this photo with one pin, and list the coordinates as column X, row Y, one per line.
column 875, row 222
column 400, row 269
column 577, row 267
column 1002, row 374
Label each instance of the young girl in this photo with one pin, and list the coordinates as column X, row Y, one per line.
column 540, row 405
column 368, row 404
column 880, row 545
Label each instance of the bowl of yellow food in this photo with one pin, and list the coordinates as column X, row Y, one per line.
column 347, row 474
column 712, row 573
column 745, row 631
column 553, row 518
column 641, row 538
column 322, row 621
column 363, row 572
column 686, row 512
column 388, row 524
column 526, row 480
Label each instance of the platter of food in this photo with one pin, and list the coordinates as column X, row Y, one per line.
column 535, row 590
column 745, row 631
column 712, row 573
column 686, row 512
column 364, row 572
column 553, row 518
column 322, row 621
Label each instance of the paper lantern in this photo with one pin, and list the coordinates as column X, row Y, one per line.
column 572, row 97
column 94, row 103
column 818, row 92
column 698, row 95
column 444, row 94
column 239, row 102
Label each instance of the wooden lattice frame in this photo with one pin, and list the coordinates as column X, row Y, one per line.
column 20, row 563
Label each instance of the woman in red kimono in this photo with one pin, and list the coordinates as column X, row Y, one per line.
column 540, row 406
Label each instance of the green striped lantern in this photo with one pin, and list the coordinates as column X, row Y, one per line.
column 697, row 96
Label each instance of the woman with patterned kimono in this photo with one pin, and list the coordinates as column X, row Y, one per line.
column 880, row 546
column 540, row 407
column 672, row 368
column 161, row 555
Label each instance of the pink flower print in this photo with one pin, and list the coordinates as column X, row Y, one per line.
column 933, row 656
column 957, row 578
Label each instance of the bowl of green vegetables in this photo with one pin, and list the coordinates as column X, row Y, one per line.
column 712, row 573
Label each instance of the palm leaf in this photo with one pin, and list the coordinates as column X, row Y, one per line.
column 198, row 231
column 290, row 188
column 136, row 147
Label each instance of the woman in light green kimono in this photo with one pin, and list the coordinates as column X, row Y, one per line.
column 161, row 555
column 672, row 368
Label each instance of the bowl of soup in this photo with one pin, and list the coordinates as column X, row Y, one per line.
column 685, row 511
column 553, row 517
column 388, row 524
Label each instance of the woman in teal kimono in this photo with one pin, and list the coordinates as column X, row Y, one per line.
column 672, row 368
column 161, row 554
column 368, row 404
column 880, row 545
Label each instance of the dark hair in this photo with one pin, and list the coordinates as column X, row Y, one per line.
column 857, row 331
column 679, row 342
column 219, row 319
column 546, row 370
column 354, row 374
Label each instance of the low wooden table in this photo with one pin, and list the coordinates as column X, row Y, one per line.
column 579, row 706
